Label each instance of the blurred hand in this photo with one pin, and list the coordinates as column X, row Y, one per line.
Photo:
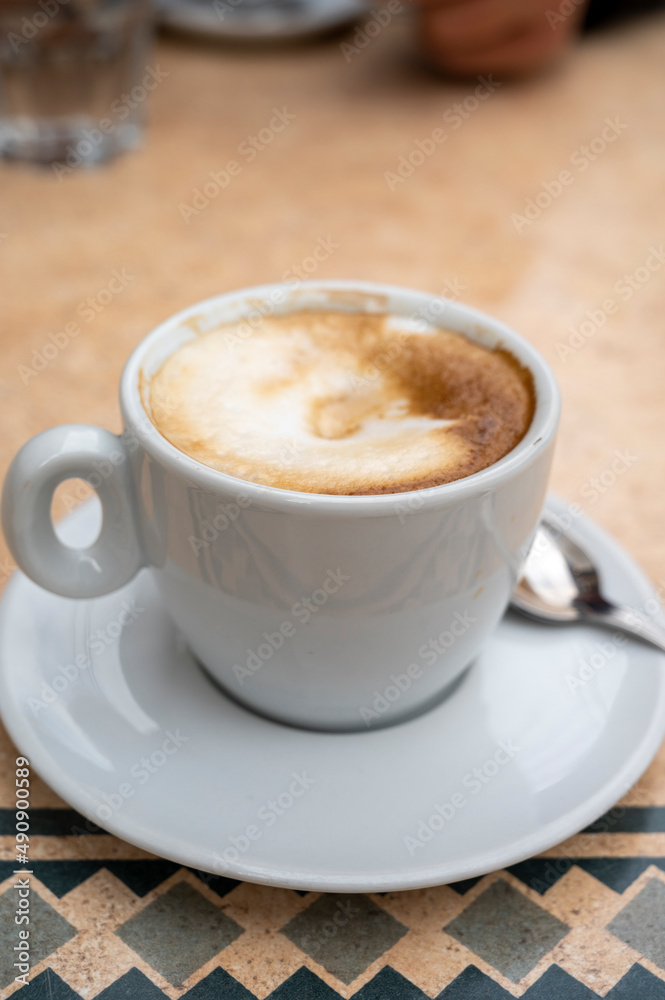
column 506, row 37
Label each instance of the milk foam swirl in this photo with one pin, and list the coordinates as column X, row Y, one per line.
column 341, row 403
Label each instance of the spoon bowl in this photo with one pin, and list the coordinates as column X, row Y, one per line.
column 560, row 584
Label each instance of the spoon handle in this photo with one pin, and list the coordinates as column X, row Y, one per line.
column 629, row 620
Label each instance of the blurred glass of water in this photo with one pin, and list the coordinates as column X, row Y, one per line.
column 74, row 79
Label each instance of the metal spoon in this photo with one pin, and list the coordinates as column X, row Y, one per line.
column 559, row 583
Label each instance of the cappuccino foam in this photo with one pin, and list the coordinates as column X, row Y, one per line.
column 341, row 403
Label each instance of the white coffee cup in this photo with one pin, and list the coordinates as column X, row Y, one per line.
column 330, row 612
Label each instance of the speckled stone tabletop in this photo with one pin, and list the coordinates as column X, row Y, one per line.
column 541, row 202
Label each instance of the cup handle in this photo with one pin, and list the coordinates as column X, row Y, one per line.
column 66, row 452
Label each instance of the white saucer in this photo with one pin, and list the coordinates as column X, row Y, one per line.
column 251, row 22
column 346, row 802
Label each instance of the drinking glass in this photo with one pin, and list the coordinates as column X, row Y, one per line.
column 74, row 79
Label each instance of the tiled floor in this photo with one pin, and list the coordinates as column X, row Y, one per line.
column 127, row 926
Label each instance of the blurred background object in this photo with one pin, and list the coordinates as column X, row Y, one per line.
column 74, row 78
column 256, row 20
column 511, row 37
column 75, row 75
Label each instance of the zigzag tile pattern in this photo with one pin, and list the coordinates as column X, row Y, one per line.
column 132, row 927
column 555, row 984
